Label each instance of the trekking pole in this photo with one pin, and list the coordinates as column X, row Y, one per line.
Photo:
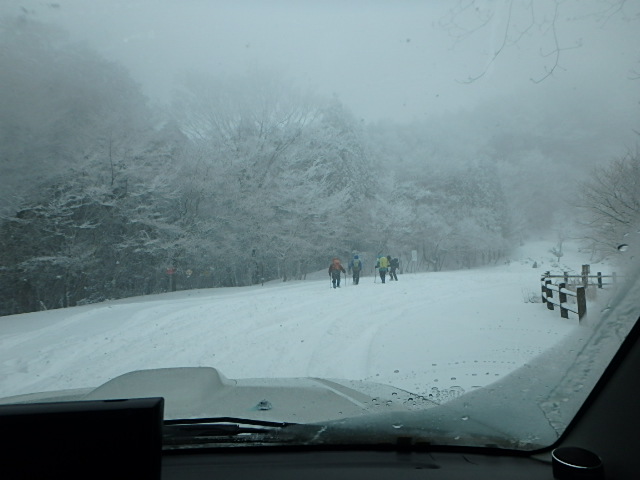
column 375, row 275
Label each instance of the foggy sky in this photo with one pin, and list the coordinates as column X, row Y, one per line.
column 398, row 60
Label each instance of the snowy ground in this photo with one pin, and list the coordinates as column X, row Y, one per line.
column 429, row 333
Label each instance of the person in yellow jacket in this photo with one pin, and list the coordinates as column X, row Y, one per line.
column 382, row 266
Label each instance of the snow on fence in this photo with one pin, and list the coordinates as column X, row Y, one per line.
column 548, row 289
column 579, row 282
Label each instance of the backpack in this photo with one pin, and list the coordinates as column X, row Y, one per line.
column 395, row 263
column 356, row 264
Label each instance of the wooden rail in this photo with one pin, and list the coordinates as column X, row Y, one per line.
column 563, row 292
column 585, row 278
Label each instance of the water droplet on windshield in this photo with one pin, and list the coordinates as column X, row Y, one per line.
column 456, row 390
column 464, row 418
column 264, row 405
column 623, row 248
column 397, row 425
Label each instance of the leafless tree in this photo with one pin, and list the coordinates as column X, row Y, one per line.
column 515, row 20
column 611, row 200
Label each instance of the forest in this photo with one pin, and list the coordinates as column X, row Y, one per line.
column 246, row 179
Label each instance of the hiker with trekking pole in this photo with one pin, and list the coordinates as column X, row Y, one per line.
column 334, row 272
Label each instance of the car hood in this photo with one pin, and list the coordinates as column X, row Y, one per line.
column 204, row 392
column 339, row 412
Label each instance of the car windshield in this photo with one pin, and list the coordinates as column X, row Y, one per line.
column 379, row 219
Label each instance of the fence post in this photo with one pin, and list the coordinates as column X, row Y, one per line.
column 549, row 293
column 566, row 277
column 564, row 313
column 585, row 275
column 582, row 302
column 599, row 279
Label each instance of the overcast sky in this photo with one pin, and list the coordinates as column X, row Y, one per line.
column 384, row 59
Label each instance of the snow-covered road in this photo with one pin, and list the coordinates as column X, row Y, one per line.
column 426, row 333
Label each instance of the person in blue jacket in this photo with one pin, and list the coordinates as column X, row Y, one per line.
column 355, row 267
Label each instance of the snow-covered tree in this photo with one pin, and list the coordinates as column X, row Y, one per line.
column 62, row 107
column 282, row 175
column 89, row 180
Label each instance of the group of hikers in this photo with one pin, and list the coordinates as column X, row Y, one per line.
column 383, row 265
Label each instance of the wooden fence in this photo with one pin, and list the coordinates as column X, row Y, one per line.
column 585, row 278
column 578, row 282
column 548, row 289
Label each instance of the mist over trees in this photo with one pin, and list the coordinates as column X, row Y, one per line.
column 244, row 180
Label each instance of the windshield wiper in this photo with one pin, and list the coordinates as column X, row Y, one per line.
column 206, row 431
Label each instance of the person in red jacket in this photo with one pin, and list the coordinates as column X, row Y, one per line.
column 334, row 272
